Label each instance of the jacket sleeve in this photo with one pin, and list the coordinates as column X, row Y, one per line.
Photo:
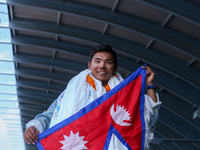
column 42, row 121
column 151, row 110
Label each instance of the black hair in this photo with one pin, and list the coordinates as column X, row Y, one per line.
column 103, row 48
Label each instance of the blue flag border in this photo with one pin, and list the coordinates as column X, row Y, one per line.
column 97, row 102
column 111, row 131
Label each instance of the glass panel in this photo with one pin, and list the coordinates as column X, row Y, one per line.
column 8, row 97
column 8, row 89
column 3, row 14
column 10, row 126
column 9, row 111
column 7, row 79
column 5, row 35
column 7, row 67
column 9, row 104
column 6, row 51
column 11, row 136
column 10, row 116
column 12, row 122
column 15, row 131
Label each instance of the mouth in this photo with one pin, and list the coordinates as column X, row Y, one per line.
column 101, row 72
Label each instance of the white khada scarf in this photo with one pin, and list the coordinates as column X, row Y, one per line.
column 79, row 94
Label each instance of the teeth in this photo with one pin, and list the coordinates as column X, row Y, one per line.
column 102, row 72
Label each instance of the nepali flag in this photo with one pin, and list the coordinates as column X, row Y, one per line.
column 115, row 119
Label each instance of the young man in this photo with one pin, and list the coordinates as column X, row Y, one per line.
column 85, row 88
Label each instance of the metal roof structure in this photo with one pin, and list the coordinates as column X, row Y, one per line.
column 52, row 39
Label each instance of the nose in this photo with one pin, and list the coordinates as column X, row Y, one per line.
column 102, row 65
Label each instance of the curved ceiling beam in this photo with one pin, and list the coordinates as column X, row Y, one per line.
column 76, row 32
column 40, row 85
column 178, row 125
column 36, row 94
column 177, row 114
column 43, row 74
column 64, row 77
column 32, row 108
column 163, row 114
column 35, row 101
column 177, row 87
column 187, row 145
column 168, row 145
column 184, row 109
column 168, row 84
column 28, row 113
column 170, row 124
column 154, row 146
column 72, row 66
column 163, row 129
column 26, row 119
column 180, row 116
column 170, row 6
column 122, row 20
column 133, row 50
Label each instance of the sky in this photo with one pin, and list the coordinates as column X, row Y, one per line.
column 11, row 137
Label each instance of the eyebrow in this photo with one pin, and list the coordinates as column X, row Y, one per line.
column 106, row 59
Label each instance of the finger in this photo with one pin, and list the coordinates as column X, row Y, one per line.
column 34, row 132
column 29, row 136
column 145, row 67
column 37, row 132
column 25, row 139
column 148, row 71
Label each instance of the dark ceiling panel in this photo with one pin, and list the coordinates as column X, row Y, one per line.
column 43, row 74
column 85, row 22
column 127, row 34
column 35, row 50
column 39, row 34
column 144, row 11
column 180, row 7
column 34, row 13
column 36, row 94
column 185, row 27
column 171, row 51
column 104, row 3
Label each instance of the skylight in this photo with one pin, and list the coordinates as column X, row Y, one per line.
column 10, row 120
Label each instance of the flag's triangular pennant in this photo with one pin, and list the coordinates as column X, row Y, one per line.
column 117, row 115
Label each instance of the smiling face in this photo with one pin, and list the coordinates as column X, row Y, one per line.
column 102, row 66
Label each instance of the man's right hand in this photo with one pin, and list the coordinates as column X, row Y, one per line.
column 31, row 135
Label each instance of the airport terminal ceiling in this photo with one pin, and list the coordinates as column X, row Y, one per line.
column 52, row 39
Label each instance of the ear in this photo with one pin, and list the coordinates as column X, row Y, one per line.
column 89, row 65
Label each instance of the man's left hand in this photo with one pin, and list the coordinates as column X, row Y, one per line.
column 150, row 75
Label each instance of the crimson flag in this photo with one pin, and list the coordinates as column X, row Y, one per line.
column 116, row 116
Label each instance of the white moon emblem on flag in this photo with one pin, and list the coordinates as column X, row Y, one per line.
column 120, row 115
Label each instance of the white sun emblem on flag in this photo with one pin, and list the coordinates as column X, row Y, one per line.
column 73, row 142
column 120, row 115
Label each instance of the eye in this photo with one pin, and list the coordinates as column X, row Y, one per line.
column 109, row 62
column 97, row 61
